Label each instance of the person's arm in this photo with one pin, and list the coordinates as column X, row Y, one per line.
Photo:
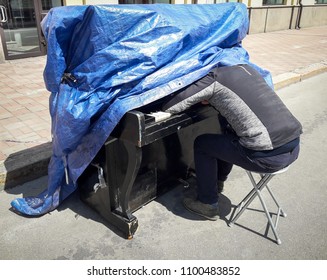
column 196, row 92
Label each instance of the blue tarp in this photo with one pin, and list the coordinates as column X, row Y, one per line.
column 118, row 58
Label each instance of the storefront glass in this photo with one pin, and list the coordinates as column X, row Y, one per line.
column 20, row 30
column 18, row 22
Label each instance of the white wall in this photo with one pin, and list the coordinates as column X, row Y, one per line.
column 73, row 2
column 183, row 1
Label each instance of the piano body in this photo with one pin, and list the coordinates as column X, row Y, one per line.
column 145, row 156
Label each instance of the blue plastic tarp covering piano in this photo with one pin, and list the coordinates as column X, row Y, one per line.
column 103, row 61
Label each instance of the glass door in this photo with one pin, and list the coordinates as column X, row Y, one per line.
column 20, row 28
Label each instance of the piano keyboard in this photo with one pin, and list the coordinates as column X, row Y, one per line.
column 160, row 116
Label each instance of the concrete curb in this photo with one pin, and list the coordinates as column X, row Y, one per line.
column 299, row 74
column 30, row 164
column 25, row 166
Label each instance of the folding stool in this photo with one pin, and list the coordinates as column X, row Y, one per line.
column 256, row 191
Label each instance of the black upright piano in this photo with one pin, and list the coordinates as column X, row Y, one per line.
column 147, row 154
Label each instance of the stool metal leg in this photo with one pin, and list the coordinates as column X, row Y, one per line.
column 250, row 196
column 243, row 205
column 272, row 225
column 280, row 209
column 265, row 178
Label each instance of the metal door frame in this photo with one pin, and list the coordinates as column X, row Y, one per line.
column 42, row 51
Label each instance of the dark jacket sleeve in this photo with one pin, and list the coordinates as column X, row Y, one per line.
column 196, row 92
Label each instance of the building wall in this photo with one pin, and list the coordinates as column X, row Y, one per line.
column 73, row 2
column 314, row 16
column 268, row 20
column 285, row 17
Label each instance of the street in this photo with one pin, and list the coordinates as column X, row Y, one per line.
column 168, row 231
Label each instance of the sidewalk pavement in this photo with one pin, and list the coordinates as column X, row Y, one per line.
column 25, row 137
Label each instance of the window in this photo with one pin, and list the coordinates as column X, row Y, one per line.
column 273, row 2
column 48, row 4
column 321, row 1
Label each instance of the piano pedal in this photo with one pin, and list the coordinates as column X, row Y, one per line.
column 96, row 187
column 185, row 184
column 192, row 173
column 102, row 183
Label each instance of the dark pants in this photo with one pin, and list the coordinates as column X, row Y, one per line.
column 215, row 155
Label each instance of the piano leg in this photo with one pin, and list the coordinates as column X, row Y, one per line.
column 101, row 203
column 120, row 185
column 134, row 155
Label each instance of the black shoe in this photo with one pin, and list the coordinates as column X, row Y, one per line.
column 202, row 209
